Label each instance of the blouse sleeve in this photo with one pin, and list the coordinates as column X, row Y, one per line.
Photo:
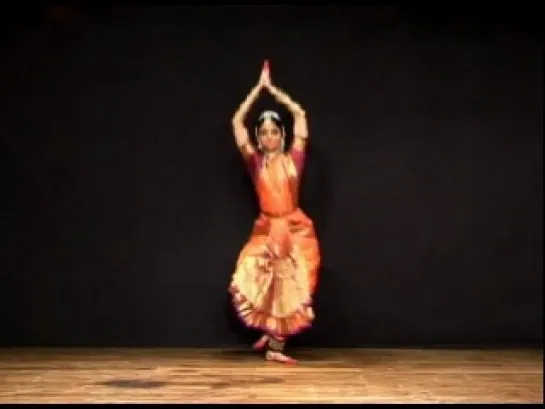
column 251, row 158
column 298, row 156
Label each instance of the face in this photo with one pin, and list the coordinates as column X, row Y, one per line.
column 270, row 136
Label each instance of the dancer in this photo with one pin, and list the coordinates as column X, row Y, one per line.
column 277, row 270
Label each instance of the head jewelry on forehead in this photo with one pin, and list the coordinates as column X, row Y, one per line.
column 269, row 115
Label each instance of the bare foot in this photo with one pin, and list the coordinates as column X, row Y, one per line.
column 261, row 342
column 279, row 357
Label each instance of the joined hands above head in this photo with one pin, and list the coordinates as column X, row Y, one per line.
column 265, row 77
column 266, row 83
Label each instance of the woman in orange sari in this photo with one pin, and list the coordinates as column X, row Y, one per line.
column 276, row 271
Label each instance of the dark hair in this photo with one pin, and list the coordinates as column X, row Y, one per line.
column 271, row 115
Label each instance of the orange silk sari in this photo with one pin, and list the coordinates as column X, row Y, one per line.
column 277, row 270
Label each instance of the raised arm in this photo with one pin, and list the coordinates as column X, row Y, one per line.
column 242, row 137
column 300, row 128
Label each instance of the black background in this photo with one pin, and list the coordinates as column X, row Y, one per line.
column 125, row 202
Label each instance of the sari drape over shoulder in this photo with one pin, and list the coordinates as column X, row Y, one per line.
column 277, row 270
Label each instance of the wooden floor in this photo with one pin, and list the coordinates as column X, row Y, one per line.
column 226, row 376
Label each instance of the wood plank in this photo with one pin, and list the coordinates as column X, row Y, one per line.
column 232, row 376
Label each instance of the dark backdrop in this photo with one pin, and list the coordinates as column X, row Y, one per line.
column 125, row 202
